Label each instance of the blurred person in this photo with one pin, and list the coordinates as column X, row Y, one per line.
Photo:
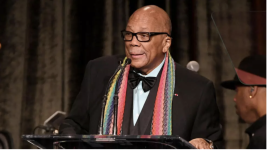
column 250, row 100
column 157, row 96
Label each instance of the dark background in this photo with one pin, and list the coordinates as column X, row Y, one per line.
column 46, row 45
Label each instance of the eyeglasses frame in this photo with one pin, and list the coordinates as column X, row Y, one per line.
column 150, row 35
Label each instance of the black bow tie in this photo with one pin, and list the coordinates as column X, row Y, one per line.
column 147, row 83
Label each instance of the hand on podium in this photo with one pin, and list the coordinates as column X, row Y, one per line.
column 200, row 143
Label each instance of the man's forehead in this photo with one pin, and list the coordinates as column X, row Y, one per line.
column 142, row 19
column 131, row 27
column 143, row 24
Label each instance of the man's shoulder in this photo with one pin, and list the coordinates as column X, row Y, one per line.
column 190, row 77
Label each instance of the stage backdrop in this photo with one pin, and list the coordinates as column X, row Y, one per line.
column 47, row 43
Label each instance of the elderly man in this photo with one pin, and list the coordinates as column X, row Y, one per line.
column 250, row 99
column 156, row 96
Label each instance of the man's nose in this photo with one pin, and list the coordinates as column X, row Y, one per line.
column 134, row 41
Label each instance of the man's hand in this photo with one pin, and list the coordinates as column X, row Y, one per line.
column 200, row 143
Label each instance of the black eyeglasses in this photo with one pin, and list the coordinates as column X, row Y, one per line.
column 140, row 36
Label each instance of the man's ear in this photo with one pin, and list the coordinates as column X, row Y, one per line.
column 253, row 91
column 166, row 44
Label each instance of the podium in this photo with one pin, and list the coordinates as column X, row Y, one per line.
column 107, row 142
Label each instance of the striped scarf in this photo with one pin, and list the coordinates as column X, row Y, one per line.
column 162, row 116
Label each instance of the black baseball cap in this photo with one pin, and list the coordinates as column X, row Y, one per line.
column 255, row 66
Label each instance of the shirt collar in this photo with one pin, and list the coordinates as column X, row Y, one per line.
column 257, row 125
column 155, row 72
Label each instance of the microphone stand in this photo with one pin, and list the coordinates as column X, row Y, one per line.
column 100, row 129
column 116, row 98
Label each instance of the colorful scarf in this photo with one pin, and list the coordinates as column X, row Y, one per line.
column 162, row 116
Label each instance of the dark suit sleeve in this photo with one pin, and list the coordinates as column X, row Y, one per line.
column 207, row 123
column 78, row 119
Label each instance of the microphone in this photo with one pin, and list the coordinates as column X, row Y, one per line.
column 193, row 66
column 100, row 130
column 116, row 97
column 128, row 61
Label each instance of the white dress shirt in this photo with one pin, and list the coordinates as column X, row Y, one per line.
column 139, row 96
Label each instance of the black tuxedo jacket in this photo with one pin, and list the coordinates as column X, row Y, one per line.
column 194, row 110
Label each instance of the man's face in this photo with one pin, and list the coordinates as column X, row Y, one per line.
column 243, row 103
column 145, row 56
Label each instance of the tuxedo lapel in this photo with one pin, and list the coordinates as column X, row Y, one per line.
column 127, row 111
column 176, row 91
column 179, row 117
